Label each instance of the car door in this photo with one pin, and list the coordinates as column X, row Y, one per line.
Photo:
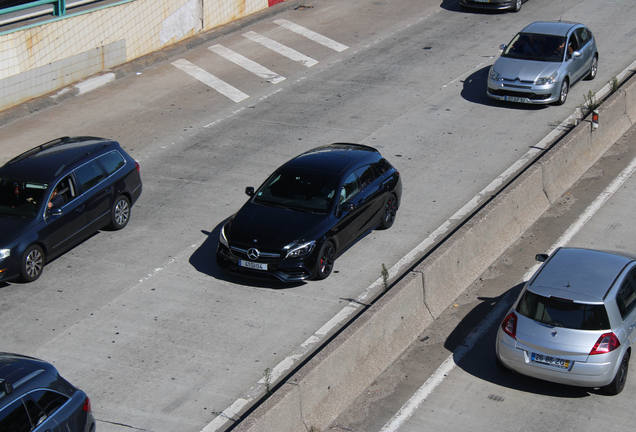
column 349, row 220
column 626, row 302
column 97, row 193
column 64, row 224
column 371, row 197
column 575, row 65
column 586, row 48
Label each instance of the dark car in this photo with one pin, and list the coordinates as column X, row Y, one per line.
column 513, row 5
column 34, row 397
column 58, row 194
column 309, row 212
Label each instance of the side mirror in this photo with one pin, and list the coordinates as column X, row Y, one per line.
column 502, row 47
column 55, row 211
column 249, row 191
column 347, row 206
column 576, row 54
column 541, row 257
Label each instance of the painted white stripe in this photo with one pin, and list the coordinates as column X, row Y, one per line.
column 247, row 64
column 281, row 49
column 312, row 35
column 449, row 364
column 208, row 79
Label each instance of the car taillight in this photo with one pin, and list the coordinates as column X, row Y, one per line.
column 509, row 325
column 87, row 405
column 608, row 342
column 137, row 165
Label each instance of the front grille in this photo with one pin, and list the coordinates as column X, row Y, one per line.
column 262, row 256
column 531, row 96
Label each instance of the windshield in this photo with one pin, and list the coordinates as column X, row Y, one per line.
column 563, row 313
column 538, row 47
column 304, row 191
column 19, row 198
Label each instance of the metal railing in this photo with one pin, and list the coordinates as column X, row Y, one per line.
column 59, row 7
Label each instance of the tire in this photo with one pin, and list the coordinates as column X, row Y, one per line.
column 389, row 211
column 325, row 260
column 593, row 69
column 32, row 265
column 563, row 94
column 517, row 6
column 120, row 213
column 618, row 384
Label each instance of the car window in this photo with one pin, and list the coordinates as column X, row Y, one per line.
column 306, row 190
column 112, row 161
column 530, row 46
column 62, row 193
column 48, row 401
column 14, row 418
column 563, row 313
column 19, row 198
column 626, row 297
column 583, row 35
column 366, row 175
column 350, row 188
column 89, row 175
column 573, row 44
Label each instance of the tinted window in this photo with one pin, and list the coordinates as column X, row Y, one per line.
column 626, row 297
column 302, row 191
column 14, row 418
column 382, row 166
column 19, row 198
column 112, row 162
column 48, row 401
column 366, row 176
column 89, row 175
column 563, row 313
column 350, row 188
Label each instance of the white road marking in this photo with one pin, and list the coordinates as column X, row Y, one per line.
column 247, row 64
column 312, row 35
column 280, row 49
column 451, row 361
column 208, row 79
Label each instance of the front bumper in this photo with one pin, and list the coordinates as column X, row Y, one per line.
column 597, row 373
column 491, row 5
column 530, row 94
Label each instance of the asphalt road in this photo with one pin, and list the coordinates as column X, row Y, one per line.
column 447, row 380
column 142, row 319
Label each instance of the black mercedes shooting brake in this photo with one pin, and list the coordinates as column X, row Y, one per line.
column 57, row 195
column 34, row 397
column 309, row 211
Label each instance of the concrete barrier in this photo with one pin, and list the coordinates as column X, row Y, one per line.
column 315, row 395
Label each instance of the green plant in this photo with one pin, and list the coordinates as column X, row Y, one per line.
column 385, row 278
column 613, row 83
column 590, row 102
column 267, row 378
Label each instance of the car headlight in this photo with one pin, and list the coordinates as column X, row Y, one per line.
column 299, row 250
column 4, row 253
column 547, row 80
column 223, row 237
column 494, row 75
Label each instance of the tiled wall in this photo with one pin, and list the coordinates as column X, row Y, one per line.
column 41, row 59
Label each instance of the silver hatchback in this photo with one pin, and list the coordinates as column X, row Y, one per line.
column 542, row 62
column 574, row 321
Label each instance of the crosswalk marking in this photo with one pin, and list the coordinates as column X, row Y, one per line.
column 280, row 48
column 207, row 78
column 310, row 34
column 247, row 64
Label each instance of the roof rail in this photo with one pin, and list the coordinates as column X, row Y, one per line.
column 37, row 149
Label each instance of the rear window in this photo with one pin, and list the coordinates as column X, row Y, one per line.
column 563, row 313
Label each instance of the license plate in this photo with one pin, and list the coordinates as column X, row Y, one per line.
column 253, row 265
column 483, row 1
column 550, row 361
column 515, row 99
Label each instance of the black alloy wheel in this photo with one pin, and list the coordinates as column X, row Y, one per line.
column 32, row 263
column 389, row 212
column 326, row 258
column 618, row 384
column 120, row 213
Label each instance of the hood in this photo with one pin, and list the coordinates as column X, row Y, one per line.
column 273, row 228
column 524, row 70
column 12, row 228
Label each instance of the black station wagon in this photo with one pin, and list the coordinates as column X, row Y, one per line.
column 58, row 194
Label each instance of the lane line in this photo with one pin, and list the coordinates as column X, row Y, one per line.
column 281, row 49
column 210, row 80
column 312, row 35
column 247, row 64
column 451, row 361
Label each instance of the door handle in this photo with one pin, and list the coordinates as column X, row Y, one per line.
column 80, row 209
column 631, row 327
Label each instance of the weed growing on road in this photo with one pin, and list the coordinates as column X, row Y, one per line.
column 613, row 83
column 385, row 278
column 267, row 378
column 590, row 103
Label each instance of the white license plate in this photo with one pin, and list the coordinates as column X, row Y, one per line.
column 253, row 265
column 483, row 1
column 515, row 99
column 550, row 361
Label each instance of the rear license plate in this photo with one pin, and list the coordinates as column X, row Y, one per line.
column 515, row 99
column 253, row 265
column 550, row 361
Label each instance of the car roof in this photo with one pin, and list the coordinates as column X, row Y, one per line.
column 47, row 161
column 21, row 372
column 557, row 28
column 334, row 158
column 579, row 274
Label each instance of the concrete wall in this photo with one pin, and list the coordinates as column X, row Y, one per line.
column 42, row 58
column 328, row 383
